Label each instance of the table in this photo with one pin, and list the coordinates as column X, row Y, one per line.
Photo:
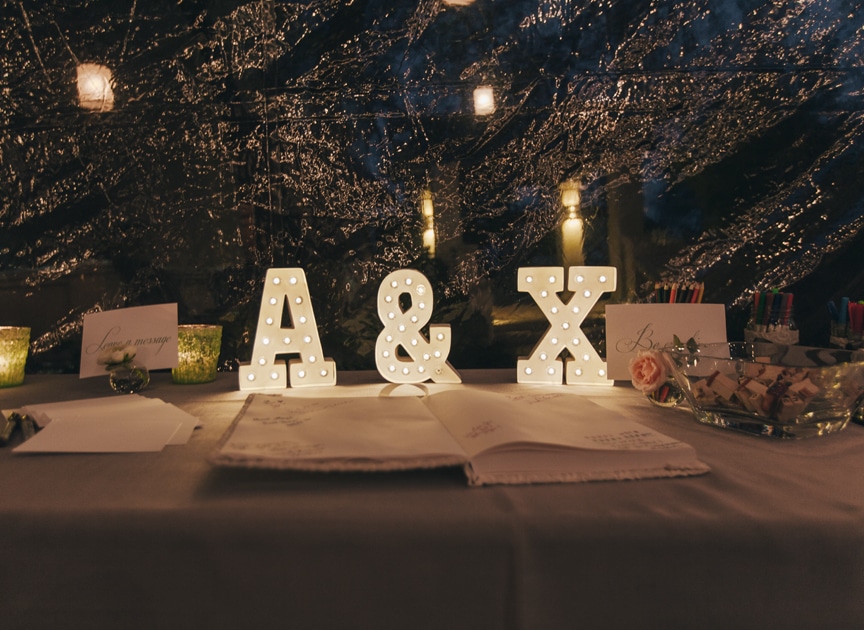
column 773, row 536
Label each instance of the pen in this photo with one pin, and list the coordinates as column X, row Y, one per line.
column 775, row 308
column 769, row 305
column 841, row 314
column 787, row 310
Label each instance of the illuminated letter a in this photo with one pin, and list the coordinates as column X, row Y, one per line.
column 286, row 288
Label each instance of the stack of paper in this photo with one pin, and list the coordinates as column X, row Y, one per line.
column 107, row 425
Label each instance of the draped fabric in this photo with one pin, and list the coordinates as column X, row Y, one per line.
column 712, row 141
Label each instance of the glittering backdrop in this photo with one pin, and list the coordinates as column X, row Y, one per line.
column 713, row 141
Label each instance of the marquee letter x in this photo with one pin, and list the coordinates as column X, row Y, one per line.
column 584, row 366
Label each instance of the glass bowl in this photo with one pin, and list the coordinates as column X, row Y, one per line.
column 770, row 389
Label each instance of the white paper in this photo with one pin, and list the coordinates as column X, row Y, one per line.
column 42, row 412
column 107, row 425
column 101, row 435
column 339, row 433
column 634, row 327
column 152, row 330
column 482, row 421
column 543, row 438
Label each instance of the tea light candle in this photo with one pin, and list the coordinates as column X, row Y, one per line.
column 198, row 347
column 14, row 345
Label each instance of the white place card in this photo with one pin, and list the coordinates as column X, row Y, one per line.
column 634, row 327
column 152, row 330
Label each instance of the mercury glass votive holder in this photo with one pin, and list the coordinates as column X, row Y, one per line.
column 198, row 347
column 14, row 345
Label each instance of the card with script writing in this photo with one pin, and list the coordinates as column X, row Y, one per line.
column 150, row 330
column 634, row 327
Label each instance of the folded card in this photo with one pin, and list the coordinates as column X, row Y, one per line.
column 634, row 327
column 150, row 331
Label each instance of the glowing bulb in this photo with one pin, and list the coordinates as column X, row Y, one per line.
column 94, row 87
column 429, row 240
column 570, row 197
column 484, row 100
column 427, row 205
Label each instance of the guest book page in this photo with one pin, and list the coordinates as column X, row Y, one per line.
column 338, row 434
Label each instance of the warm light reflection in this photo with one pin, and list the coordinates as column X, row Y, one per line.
column 572, row 233
column 428, row 209
column 458, row 3
column 94, row 87
column 484, row 100
column 570, row 194
column 572, row 238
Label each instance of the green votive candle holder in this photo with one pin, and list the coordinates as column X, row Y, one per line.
column 198, row 347
column 14, row 345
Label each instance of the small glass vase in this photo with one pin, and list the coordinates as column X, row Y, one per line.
column 128, row 378
column 667, row 395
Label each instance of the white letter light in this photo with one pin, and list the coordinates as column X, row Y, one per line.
column 426, row 358
column 585, row 367
column 286, row 288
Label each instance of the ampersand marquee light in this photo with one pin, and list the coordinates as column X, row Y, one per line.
column 286, row 289
column 425, row 358
column 584, row 366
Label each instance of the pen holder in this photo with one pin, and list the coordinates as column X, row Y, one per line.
column 14, row 346
column 842, row 336
column 785, row 335
column 198, row 348
column 772, row 319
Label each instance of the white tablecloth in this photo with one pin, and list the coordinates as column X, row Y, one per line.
column 773, row 536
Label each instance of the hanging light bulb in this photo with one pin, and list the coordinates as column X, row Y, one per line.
column 484, row 100
column 94, row 87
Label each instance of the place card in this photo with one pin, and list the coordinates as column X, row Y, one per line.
column 634, row 327
column 151, row 330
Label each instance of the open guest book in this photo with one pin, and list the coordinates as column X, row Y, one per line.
column 497, row 438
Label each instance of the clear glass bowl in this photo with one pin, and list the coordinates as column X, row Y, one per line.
column 770, row 389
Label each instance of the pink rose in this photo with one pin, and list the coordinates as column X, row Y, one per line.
column 648, row 371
